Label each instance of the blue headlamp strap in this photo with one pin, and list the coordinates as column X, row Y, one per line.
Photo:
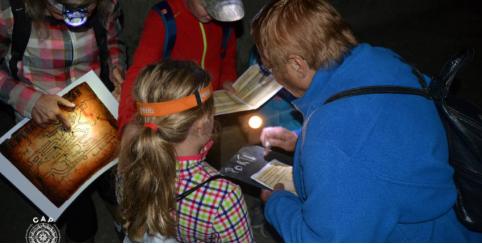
column 72, row 16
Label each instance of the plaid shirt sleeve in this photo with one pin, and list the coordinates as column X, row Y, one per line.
column 115, row 40
column 13, row 92
column 232, row 221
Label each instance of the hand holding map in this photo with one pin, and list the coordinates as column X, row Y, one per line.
column 51, row 165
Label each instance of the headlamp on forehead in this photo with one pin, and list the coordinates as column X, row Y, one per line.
column 72, row 16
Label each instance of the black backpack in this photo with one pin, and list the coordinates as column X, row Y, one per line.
column 463, row 125
column 21, row 34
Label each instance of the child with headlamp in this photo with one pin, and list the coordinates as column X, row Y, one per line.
column 166, row 191
column 46, row 45
column 199, row 34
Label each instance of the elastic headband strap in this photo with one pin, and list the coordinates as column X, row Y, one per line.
column 62, row 7
column 150, row 125
column 175, row 106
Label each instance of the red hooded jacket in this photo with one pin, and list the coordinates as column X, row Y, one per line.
column 189, row 46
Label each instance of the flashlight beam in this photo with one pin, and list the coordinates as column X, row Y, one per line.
column 255, row 122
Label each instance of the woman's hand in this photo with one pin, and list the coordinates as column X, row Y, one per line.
column 265, row 194
column 47, row 111
column 278, row 137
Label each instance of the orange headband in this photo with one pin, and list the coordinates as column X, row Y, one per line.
column 175, row 106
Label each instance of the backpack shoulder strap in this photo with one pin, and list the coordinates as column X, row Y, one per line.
column 186, row 193
column 100, row 34
column 378, row 90
column 425, row 92
column 165, row 11
column 415, row 72
column 226, row 35
column 22, row 26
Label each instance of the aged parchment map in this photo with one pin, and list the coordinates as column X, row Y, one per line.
column 58, row 162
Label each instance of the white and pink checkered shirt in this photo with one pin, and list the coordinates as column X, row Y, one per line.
column 50, row 64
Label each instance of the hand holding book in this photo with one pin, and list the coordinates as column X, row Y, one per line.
column 252, row 90
column 276, row 172
column 265, row 194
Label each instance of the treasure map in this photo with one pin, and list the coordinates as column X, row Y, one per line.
column 58, row 162
column 253, row 89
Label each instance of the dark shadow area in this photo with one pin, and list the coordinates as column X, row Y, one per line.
column 7, row 118
column 238, row 28
column 430, row 38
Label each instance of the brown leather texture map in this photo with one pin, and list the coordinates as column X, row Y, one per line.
column 59, row 162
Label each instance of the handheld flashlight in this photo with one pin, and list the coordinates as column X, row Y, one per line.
column 255, row 122
column 72, row 16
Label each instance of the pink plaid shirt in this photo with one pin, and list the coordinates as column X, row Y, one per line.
column 49, row 65
column 216, row 212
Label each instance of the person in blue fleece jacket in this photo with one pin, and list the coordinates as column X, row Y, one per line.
column 370, row 168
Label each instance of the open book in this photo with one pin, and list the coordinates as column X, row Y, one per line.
column 276, row 172
column 51, row 166
column 253, row 90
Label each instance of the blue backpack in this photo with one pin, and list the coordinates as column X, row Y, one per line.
column 165, row 11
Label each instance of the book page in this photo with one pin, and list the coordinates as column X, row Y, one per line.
column 276, row 172
column 225, row 103
column 253, row 90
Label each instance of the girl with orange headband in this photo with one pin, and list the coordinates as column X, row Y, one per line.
column 166, row 192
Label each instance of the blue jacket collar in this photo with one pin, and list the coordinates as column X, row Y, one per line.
column 320, row 79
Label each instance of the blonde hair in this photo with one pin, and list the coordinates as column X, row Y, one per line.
column 312, row 29
column 36, row 11
column 148, row 159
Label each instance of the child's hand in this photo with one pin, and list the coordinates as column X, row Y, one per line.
column 47, row 111
column 228, row 86
column 117, row 77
